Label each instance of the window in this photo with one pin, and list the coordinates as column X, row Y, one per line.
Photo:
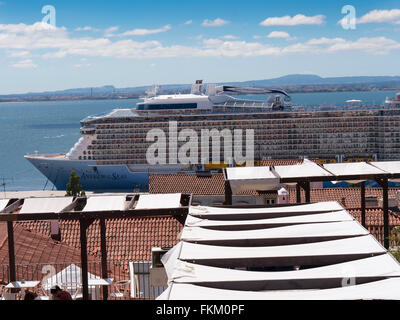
column 167, row 106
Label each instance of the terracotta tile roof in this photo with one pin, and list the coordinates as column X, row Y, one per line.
column 348, row 197
column 374, row 216
column 374, row 221
column 280, row 162
column 36, row 250
column 31, row 247
column 127, row 239
column 187, row 183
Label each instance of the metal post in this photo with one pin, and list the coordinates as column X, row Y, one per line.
column 385, row 195
column 307, row 190
column 362, row 187
column 298, row 194
column 228, row 193
column 83, row 224
column 103, row 245
column 11, row 252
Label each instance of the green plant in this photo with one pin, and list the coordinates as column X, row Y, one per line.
column 74, row 187
column 395, row 240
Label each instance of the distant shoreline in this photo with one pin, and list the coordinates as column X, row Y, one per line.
column 289, row 89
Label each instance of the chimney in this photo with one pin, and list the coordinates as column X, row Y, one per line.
column 283, row 196
column 55, row 231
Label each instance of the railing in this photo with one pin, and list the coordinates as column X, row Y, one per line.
column 139, row 287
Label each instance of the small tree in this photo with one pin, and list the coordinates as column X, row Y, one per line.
column 395, row 239
column 74, row 187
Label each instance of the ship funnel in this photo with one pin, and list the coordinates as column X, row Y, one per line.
column 198, row 87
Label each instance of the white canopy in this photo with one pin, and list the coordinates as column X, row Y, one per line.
column 71, row 276
column 251, row 178
column 374, row 267
column 306, row 169
column 156, row 201
column 301, row 233
column 259, row 213
column 334, row 216
column 105, row 203
column 354, row 168
column 392, row 167
column 383, row 289
column 45, row 205
column 3, row 204
column 334, row 251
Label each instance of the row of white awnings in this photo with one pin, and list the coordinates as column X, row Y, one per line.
column 98, row 203
column 303, row 253
column 268, row 178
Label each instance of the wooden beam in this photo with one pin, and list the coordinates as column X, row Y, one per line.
column 103, row 245
column 385, row 197
column 362, row 189
column 83, row 226
column 308, row 192
column 11, row 252
column 228, row 193
column 77, row 215
column 298, row 193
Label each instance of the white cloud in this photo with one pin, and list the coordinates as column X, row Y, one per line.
column 28, row 63
column 109, row 32
column 19, row 54
column 145, row 32
column 87, row 28
column 230, row 37
column 188, row 22
column 58, row 44
column 214, row 23
column 279, row 34
column 299, row 19
column 80, row 65
column 380, row 16
column 36, row 28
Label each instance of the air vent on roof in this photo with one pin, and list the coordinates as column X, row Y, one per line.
column 371, row 202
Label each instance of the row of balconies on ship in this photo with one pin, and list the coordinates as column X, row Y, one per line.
column 282, row 154
column 328, row 149
column 258, row 143
column 237, row 123
column 270, row 134
column 264, row 141
column 344, row 121
column 272, row 151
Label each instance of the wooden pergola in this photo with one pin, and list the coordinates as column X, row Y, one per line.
column 85, row 220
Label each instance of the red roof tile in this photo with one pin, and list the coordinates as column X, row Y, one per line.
column 126, row 239
column 348, row 197
column 187, row 183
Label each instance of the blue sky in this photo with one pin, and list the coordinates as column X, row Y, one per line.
column 132, row 43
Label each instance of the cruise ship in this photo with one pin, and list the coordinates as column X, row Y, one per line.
column 111, row 154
